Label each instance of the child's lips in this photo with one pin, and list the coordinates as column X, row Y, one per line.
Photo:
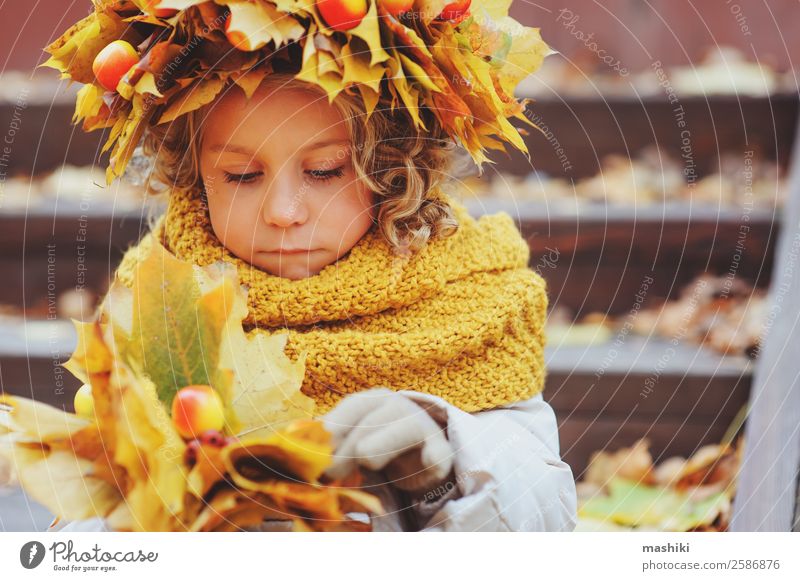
column 290, row 251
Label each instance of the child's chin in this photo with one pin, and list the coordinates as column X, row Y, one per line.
column 294, row 274
column 290, row 271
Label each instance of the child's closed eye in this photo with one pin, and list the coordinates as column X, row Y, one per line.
column 242, row 178
column 322, row 175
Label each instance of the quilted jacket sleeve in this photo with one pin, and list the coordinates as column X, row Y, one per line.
column 508, row 474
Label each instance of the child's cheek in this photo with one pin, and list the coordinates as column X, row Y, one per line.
column 350, row 215
column 234, row 217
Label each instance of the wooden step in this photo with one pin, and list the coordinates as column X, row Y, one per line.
column 680, row 396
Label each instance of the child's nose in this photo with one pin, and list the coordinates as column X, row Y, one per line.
column 284, row 204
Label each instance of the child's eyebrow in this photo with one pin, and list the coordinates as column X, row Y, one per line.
column 230, row 148
column 327, row 142
column 233, row 148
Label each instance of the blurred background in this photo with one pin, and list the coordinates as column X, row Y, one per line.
column 651, row 202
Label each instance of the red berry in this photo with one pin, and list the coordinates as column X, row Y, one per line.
column 192, row 449
column 455, row 11
column 111, row 63
column 212, row 438
column 342, row 14
column 197, row 408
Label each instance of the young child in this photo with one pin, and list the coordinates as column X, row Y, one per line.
column 423, row 327
column 392, row 288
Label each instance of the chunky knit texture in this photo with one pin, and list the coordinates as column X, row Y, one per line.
column 462, row 319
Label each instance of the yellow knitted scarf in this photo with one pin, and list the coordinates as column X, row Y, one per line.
column 462, row 319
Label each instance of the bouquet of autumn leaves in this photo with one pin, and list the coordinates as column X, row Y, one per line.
column 189, row 425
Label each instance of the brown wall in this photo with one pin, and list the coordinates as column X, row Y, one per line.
column 638, row 32
column 29, row 26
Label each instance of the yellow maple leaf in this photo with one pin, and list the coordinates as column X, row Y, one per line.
column 74, row 51
column 88, row 102
column 255, row 24
column 129, row 135
column 40, row 443
column 199, row 93
column 358, row 70
column 317, row 71
column 294, row 454
column 369, row 31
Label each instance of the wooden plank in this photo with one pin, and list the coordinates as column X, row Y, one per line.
column 581, row 435
column 49, row 139
column 597, row 267
column 59, row 246
column 532, row 212
column 693, row 381
column 595, row 259
column 32, row 355
column 679, row 402
column 643, row 356
column 766, row 495
column 583, row 130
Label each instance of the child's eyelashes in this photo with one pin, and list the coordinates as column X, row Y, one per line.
column 320, row 175
column 324, row 175
column 242, row 178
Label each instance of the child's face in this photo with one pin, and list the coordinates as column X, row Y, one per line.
column 282, row 191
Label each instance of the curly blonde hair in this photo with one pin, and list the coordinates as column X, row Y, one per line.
column 395, row 160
